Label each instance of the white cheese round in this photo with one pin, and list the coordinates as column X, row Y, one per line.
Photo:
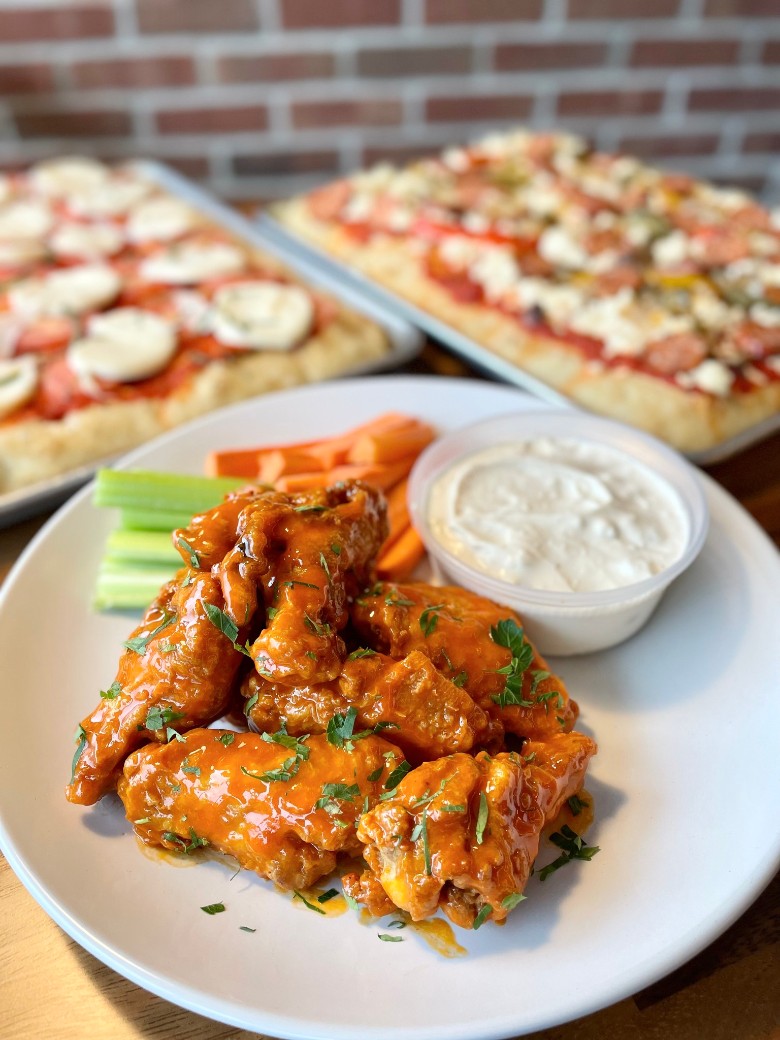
column 123, row 346
column 86, row 241
column 187, row 263
column 113, row 198
column 72, row 290
column 261, row 315
column 18, row 381
column 160, row 220
column 25, row 218
column 60, row 177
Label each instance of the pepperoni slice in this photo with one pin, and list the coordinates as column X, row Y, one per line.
column 46, row 335
column 756, row 341
column 58, row 391
column 326, row 203
column 678, row 353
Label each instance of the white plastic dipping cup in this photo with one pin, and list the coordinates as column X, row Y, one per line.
column 565, row 622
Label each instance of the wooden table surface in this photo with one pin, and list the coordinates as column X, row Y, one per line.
column 51, row 989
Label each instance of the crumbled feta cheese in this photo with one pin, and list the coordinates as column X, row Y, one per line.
column 557, row 246
column 459, row 251
column 623, row 326
column 710, row 311
column 496, row 271
column 475, row 222
column 400, row 219
column 671, row 250
column 711, row 376
column 359, row 207
column 764, row 315
column 376, row 179
column 456, row 159
column 762, row 244
column 755, row 375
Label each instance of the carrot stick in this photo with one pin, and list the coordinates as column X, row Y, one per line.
column 281, row 462
column 379, row 476
column 397, row 513
column 242, row 462
column 398, row 562
column 391, row 445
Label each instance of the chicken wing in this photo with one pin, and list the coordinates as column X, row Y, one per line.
column 462, row 833
column 283, row 807
column 476, row 642
column 178, row 669
column 328, row 545
column 429, row 715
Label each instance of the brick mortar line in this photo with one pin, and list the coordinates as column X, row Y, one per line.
column 479, row 84
column 313, row 39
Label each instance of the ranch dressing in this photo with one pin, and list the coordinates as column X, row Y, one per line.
column 558, row 514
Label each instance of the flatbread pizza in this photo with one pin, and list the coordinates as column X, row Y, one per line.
column 125, row 311
column 647, row 296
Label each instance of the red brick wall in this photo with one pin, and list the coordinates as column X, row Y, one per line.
column 265, row 97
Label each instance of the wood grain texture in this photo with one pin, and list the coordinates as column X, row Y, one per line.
column 51, row 988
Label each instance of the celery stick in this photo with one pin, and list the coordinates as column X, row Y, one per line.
column 160, row 492
column 128, row 588
column 149, row 547
column 149, row 520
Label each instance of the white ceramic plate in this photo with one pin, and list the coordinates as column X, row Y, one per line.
column 686, row 784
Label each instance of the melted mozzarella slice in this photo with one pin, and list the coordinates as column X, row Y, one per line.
column 112, row 198
column 18, row 380
column 72, row 290
column 261, row 315
column 187, row 263
column 60, row 177
column 123, row 346
column 86, row 241
column 20, row 252
column 25, row 219
column 160, row 220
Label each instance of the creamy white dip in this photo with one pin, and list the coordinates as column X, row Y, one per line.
column 558, row 514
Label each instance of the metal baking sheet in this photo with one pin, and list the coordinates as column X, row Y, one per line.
column 405, row 339
column 477, row 355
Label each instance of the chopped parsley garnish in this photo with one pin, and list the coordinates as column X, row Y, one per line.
column 421, row 831
column 305, row 584
column 327, row 896
column 139, row 643
column 397, row 775
column 271, row 613
column 81, row 743
column 574, row 847
column 305, row 901
column 351, row 903
column 167, row 647
column 213, row 908
column 226, row 738
column 453, row 808
column 246, row 928
column 226, row 626
column 397, row 923
column 318, row 628
column 335, row 548
column 375, row 775
column 389, row 938
column 332, row 794
column 427, row 798
column 460, row 679
column 341, row 729
column 362, row 651
column 158, row 718
column 482, row 817
column 194, row 558
column 324, row 565
column 509, row 634
column 289, row 766
column 429, row 618
column 172, row 734
column 310, row 509
column 482, row 916
column 398, row 601
column 112, row 692
column 251, row 703
column 187, row 768
column 510, row 902
column 182, row 844
column 576, row 804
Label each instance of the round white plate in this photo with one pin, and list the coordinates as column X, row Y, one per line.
column 686, row 785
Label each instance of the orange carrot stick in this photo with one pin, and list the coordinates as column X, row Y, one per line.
column 381, row 477
column 391, row 445
column 239, row 463
column 398, row 562
column 281, row 462
column 397, row 513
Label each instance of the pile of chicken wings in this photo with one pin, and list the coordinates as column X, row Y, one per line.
column 411, row 725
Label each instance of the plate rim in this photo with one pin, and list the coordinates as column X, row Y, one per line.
column 230, row 1012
